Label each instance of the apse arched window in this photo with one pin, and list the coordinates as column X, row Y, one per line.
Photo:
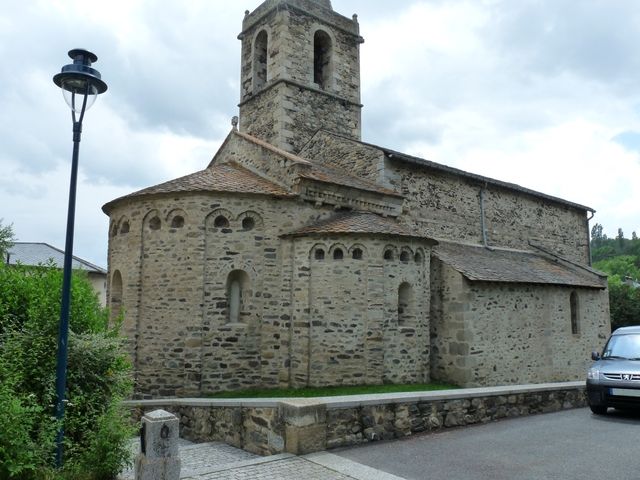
column 221, row 222
column 405, row 256
column 418, row 258
column 356, row 254
column 155, row 223
column 248, row 223
column 115, row 300
column 237, row 295
column 124, row 228
column 573, row 305
column 260, row 49
column 177, row 222
column 405, row 304
column 322, row 59
column 338, row 254
column 388, row 254
column 319, row 254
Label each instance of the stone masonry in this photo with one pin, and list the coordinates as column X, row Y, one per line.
column 302, row 256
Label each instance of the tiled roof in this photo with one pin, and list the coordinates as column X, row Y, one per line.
column 227, row 177
column 500, row 265
column 324, row 173
column 357, row 222
column 28, row 253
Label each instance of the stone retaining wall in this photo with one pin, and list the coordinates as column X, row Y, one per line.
column 299, row 426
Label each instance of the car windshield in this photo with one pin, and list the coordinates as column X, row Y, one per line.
column 623, row 346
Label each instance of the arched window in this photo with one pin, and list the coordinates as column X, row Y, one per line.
column 237, row 295
column 260, row 60
column 248, row 223
column 115, row 302
column 405, row 256
column 322, row 61
column 124, row 228
column 338, row 254
column 177, row 222
column 418, row 258
column 221, row 222
column 319, row 254
column 356, row 254
column 155, row 223
column 573, row 305
column 388, row 254
column 405, row 304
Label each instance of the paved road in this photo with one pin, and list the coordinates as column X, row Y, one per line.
column 567, row 445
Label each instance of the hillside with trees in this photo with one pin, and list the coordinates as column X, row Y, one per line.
column 619, row 257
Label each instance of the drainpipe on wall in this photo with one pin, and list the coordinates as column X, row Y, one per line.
column 482, row 219
column 593, row 213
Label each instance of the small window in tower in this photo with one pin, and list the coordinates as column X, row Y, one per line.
column 388, row 254
column 221, row 222
column 319, row 254
column 357, row 254
column 322, row 61
column 404, row 257
column 154, row 223
column 338, row 254
column 418, row 258
column 260, row 49
column 124, row 228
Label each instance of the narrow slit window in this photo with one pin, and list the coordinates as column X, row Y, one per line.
column 573, row 305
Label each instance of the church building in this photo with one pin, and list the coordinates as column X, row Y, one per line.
column 303, row 256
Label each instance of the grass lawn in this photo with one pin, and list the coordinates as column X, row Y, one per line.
column 330, row 391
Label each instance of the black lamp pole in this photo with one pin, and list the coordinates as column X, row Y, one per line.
column 80, row 85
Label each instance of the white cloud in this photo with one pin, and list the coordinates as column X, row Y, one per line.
column 534, row 93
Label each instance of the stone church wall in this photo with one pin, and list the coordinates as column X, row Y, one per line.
column 363, row 319
column 448, row 207
column 496, row 334
column 351, row 317
column 175, row 283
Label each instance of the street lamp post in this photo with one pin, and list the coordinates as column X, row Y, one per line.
column 80, row 86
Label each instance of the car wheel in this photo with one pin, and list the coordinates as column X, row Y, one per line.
column 598, row 409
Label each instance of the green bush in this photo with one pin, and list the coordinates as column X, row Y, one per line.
column 96, row 432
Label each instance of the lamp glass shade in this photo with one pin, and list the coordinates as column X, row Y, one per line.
column 74, row 91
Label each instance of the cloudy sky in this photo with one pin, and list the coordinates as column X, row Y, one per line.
column 542, row 93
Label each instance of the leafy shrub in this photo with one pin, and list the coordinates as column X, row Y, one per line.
column 96, row 431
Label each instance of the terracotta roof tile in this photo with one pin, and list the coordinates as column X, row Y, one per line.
column 357, row 222
column 327, row 174
column 217, row 178
column 500, row 265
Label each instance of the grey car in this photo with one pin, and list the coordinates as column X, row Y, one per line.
column 614, row 379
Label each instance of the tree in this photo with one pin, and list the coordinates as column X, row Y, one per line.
column 6, row 239
column 596, row 235
column 620, row 239
column 97, row 430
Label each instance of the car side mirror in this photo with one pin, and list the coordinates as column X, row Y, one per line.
column 595, row 356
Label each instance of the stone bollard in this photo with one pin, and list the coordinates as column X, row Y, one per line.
column 159, row 458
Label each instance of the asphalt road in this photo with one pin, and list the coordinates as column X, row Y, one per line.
column 572, row 444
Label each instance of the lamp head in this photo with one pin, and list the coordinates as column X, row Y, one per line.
column 79, row 79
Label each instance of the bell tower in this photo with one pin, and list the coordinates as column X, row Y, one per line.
column 300, row 72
